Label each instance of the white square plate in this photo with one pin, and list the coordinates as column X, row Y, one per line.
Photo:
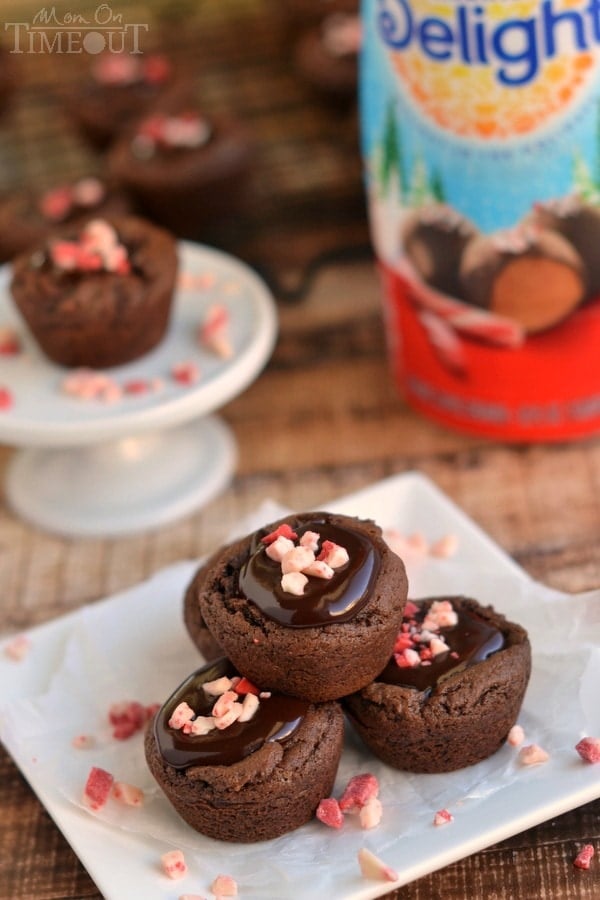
column 490, row 801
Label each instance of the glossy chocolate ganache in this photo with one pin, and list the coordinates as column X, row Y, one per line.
column 438, row 639
column 276, row 718
column 324, row 600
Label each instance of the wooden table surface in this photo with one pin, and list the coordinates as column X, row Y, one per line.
column 322, row 420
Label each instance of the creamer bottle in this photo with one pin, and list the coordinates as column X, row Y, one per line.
column 480, row 124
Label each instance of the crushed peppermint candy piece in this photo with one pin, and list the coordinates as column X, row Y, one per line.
column 213, row 333
column 516, row 736
column 186, row 373
column 6, row 399
column 359, row 790
column 533, row 755
column 373, row 867
column 97, row 788
column 294, row 583
column 56, row 204
column 584, row 857
column 589, row 749
column 17, row 648
column 228, row 707
column 127, row 717
column 10, row 342
column 97, row 250
column 283, row 530
column 416, row 546
column 83, row 742
column 329, row 813
column 299, row 560
column 370, row 814
column 128, row 794
column 174, row 865
column 186, row 131
column 442, row 817
column 224, row 886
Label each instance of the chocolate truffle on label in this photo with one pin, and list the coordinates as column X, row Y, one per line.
column 434, row 237
column 531, row 275
column 451, row 691
column 579, row 223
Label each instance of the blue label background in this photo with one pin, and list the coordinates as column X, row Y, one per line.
column 493, row 183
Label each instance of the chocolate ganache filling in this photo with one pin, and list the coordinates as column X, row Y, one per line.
column 276, row 719
column 469, row 641
column 324, row 601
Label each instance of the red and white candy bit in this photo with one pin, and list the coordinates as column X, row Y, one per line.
column 98, row 249
column 139, row 386
column 584, row 857
column 441, row 614
column 17, row 648
column 370, row 814
column 442, row 817
column 445, row 547
column 156, row 69
column 329, row 813
column 83, row 742
column 117, row 69
column 7, row 400
column 214, row 331
column 359, row 790
column 284, row 530
column 589, row 749
column 294, row 583
column 416, row 546
column 56, row 204
column 181, row 715
column 128, row 794
column 533, row 755
column 298, row 560
column 128, row 717
column 186, row 373
column 97, row 788
column 191, row 897
column 227, row 708
column 373, row 867
column 174, row 865
column 224, row 886
column 10, row 342
column 86, row 384
column 88, row 192
column 516, row 736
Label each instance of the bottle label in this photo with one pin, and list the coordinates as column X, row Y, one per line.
column 480, row 127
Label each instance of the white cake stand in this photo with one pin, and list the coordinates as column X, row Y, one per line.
column 96, row 469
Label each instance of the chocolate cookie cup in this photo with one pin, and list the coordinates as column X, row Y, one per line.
column 183, row 170
column 243, row 776
column 450, row 693
column 98, row 295
column 192, row 617
column 27, row 218
column 309, row 605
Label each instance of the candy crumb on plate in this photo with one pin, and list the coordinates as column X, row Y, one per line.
column 584, row 857
column 174, row 865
